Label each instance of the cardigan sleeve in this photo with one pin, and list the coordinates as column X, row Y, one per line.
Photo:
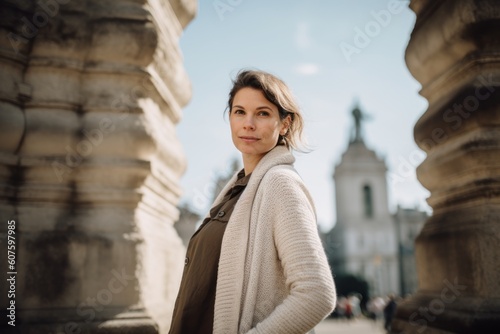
column 308, row 276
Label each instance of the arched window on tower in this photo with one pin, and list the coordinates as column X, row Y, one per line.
column 368, row 201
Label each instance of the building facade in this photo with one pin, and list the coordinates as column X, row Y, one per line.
column 408, row 223
column 368, row 240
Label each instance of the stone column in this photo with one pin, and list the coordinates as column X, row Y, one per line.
column 454, row 52
column 89, row 162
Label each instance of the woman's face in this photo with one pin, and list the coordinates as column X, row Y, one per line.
column 255, row 123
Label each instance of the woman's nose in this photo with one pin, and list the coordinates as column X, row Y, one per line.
column 249, row 123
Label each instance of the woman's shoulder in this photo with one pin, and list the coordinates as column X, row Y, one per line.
column 285, row 180
column 286, row 195
column 283, row 174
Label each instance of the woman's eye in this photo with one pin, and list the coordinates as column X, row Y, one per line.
column 263, row 113
column 239, row 112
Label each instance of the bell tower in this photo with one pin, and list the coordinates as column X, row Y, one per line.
column 364, row 235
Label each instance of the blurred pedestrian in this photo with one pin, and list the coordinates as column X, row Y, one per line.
column 355, row 300
column 348, row 309
column 389, row 310
column 375, row 308
column 340, row 308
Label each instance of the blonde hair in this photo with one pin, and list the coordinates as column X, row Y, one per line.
column 278, row 93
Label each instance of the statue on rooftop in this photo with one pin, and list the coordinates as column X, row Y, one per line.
column 358, row 116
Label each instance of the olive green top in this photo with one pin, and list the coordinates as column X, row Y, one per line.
column 194, row 307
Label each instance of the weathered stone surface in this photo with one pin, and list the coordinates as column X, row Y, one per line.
column 89, row 161
column 454, row 53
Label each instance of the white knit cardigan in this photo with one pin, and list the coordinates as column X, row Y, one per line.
column 273, row 275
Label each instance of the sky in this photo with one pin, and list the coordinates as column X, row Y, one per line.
column 332, row 54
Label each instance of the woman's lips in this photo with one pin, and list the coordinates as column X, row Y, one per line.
column 249, row 139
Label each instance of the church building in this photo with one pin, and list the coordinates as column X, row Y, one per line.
column 367, row 238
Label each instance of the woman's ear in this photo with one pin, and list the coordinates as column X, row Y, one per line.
column 285, row 125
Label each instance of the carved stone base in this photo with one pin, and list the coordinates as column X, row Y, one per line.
column 428, row 313
column 133, row 322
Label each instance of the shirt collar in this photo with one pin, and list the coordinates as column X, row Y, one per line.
column 242, row 179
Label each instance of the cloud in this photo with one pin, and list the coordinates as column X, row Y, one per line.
column 302, row 36
column 307, row 69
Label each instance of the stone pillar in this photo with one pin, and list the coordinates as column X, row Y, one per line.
column 454, row 52
column 89, row 162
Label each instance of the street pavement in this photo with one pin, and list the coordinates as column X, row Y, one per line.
column 354, row 326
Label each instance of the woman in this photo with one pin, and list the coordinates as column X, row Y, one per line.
column 256, row 263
